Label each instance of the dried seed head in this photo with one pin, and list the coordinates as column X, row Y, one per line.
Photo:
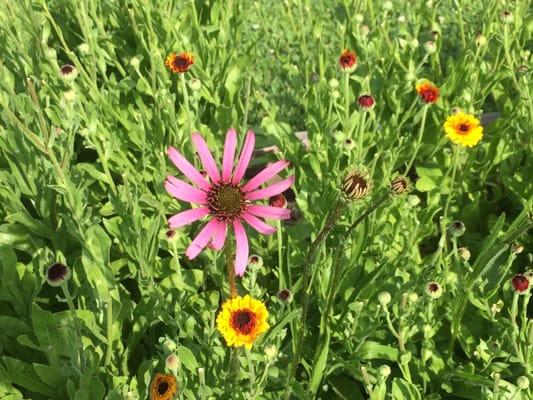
column 356, row 185
column 285, row 295
column 456, row 228
column 399, row 185
column 57, row 273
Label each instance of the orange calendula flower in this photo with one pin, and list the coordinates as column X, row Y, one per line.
column 348, row 60
column 242, row 320
column 179, row 62
column 163, row 387
column 427, row 91
column 463, row 129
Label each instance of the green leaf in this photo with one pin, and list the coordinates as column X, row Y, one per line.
column 372, row 350
column 24, row 375
column 187, row 358
column 425, row 184
column 403, row 390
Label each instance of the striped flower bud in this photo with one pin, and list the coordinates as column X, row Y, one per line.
column 356, row 185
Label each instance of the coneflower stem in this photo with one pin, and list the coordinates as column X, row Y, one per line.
column 419, row 138
column 307, row 265
column 231, row 270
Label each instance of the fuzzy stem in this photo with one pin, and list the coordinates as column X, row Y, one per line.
column 307, row 266
column 231, row 270
column 419, row 138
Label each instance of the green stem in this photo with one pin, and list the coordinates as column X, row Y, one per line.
column 186, row 101
column 419, row 138
column 360, row 134
column 252, row 371
column 307, row 265
column 77, row 326
column 109, row 332
column 347, row 104
column 461, row 26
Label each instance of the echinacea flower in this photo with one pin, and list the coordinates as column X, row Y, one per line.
column 163, row 387
column 242, row 320
column 366, row 102
column 463, row 129
column 427, row 91
column 348, row 60
column 179, row 62
column 224, row 198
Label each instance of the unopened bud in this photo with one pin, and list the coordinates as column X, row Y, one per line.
column 430, row 47
column 384, row 298
column 522, row 382
column 456, row 229
column 57, row 273
column 384, row 371
column 271, row 351
column 464, row 253
column 173, row 363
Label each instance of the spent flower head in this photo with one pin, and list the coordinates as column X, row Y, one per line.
column 399, row 185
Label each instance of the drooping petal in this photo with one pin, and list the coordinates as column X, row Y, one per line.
column 183, row 191
column 257, row 224
column 187, row 216
column 201, row 240
column 219, row 236
column 206, row 157
column 266, row 174
column 187, row 168
column 229, row 154
column 271, row 190
column 244, row 159
column 269, row 212
column 241, row 244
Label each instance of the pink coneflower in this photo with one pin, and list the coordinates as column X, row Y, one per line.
column 224, row 198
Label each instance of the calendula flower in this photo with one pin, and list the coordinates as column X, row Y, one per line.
column 463, row 129
column 520, row 283
column 427, row 91
column 163, row 387
column 224, row 199
column 242, row 320
column 348, row 60
column 179, row 62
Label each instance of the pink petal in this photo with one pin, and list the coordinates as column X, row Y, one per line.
column 187, row 168
column 201, row 240
column 258, row 225
column 183, row 191
column 266, row 174
column 187, row 216
column 229, row 154
column 271, row 190
column 206, row 157
column 269, row 212
column 244, row 160
column 241, row 242
column 219, row 236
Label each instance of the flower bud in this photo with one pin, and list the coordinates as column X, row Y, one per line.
column 456, row 229
column 522, row 382
column 255, row 261
column 69, row 95
column 348, row 144
column 517, row 248
column 366, row 102
column 481, row 40
column 430, row 47
column 271, row 351
column 135, row 62
column 169, row 346
column 170, row 234
column 333, row 83
column 399, row 185
column 195, row 84
column 50, row 53
column 285, row 295
column 507, row 17
column 520, row 283
column 57, row 273
column 84, row 48
column 384, row 371
column 364, row 30
column 412, row 297
column 388, row 6
column 464, row 253
column 335, row 94
column 356, row 185
column 68, row 72
column 434, row 290
column 359, row 18
column 173, row 363
column 384, row 298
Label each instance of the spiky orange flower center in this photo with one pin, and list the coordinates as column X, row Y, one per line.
column 347, row 59
column 244, row 321
column 226, row 201
column 179, row 62
column 428, row 92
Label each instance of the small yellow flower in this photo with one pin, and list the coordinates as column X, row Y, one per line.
column 242, row 320
column 463, row 129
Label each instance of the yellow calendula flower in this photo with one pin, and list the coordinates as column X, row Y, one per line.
column 463, row 129
column 242, row 320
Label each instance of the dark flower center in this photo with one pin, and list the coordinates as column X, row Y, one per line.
column 180, row 62
column 429, row 95
column 162, row 387
column 67, row 69
column 243, row 321
column 226, row 201
column 520, row 283
column 433, row 287
column 254, row 259
column 464, row 128
column 56, row 271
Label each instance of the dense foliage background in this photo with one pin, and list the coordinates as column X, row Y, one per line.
column 82, row 167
